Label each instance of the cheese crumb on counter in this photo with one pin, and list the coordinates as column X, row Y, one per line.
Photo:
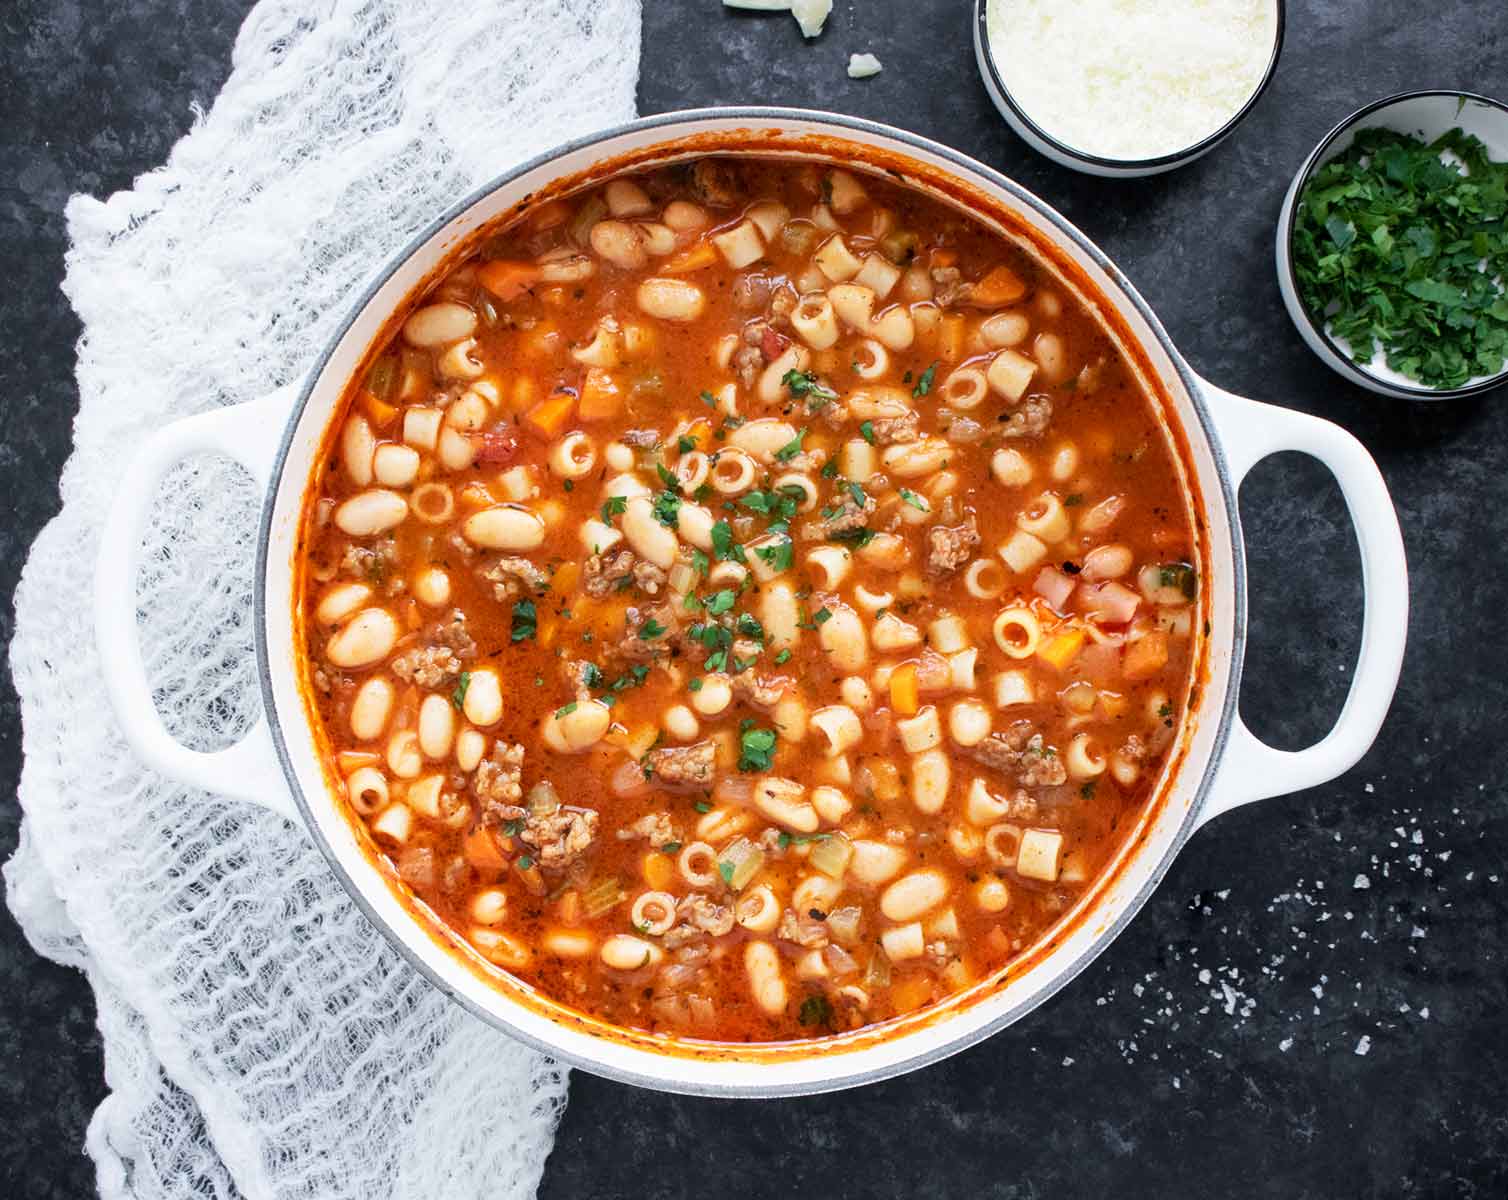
column 811, row 15
column 862, row 66
column 1131, row 79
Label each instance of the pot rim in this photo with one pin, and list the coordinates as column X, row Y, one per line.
column 941, row 1044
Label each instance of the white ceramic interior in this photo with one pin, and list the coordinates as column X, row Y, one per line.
column 1080, row 160
column 1425, row 115
column 280, row 438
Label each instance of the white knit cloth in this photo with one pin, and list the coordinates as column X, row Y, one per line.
column 261, row 1038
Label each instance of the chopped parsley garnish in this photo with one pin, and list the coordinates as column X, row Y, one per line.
column 857, row 492
column 791, row 448
column 668, row 479
column 702, row 806
column 782, row 504
column 782, row 658
column 914, row 500
column 924, row 384
column 750, row 627
column 780, row 555
column 569, row 485
column 566, row 710
column 822, row 616
column 866, row 431
column 716, row 661
column 591, row 675
column 525, row 620
column 684, row 444
column 804, row 383
column 1165, row 710
column 650, row 630
column 525, row 863
column 458, row 697
column 815, row 1010
column 670, row 848
column 857, row 538
column 1395, row 247
column 1180, row 576
column 694, row 686
column 612, row 507
column 1073, row 499
column 830, row 469
column 667, row 508
column 709, row 399
column 725, row 869
column 756, row 749
column 720, row 602
column 513, row 828
column 699, row 562
column 724, row 548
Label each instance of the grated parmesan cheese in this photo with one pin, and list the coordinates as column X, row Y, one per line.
column 1131, row 79
column 862, row 66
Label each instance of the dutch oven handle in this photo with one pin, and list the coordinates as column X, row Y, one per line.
column 248, row 433
column 1249, row 768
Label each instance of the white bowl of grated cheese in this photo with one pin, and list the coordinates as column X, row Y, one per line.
column 1126, row 87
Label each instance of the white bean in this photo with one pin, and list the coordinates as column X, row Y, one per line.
column 784, row 802
column 504, row 527
column 366, row 638
column 432, row 587
column 372, row 512
column 765, row 982
column 340, row 601
column 483, row 703
column 650, row 540
column 671, row 299
column 913, row 895
column 395, row 466
column 624, row 952
column 437, row 725
column 371, row 707
column 440, row 324
column 356, row 447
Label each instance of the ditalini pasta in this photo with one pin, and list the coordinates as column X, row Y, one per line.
column 747, row 600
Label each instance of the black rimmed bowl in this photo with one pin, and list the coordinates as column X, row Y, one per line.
column 1092, row 164
column 1421, row 114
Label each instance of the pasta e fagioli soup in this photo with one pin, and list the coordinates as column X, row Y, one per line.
column 748, row 600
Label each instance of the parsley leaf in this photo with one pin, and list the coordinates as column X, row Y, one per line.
column 668, row 479
column 612, row 507
column 724, row 548
column 866, row 431
column 816, row 1009
column 783, row 657
column 924, row 384
column 804, row 383
column 780, row 555
column 914, row 500
column 667, row 508
column 756, row 749
column 525, row 620
column 684, row 444
column 458, row 697
column 720, row 602
column 791, row 448
column 650, row 630
column 566, row 710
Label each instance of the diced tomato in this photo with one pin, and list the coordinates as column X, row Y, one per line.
column 497, row 447
column 773, row 344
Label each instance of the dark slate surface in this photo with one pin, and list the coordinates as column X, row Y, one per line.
column 1313, row 1003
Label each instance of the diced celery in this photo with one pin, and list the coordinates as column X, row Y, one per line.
column 601, row 896
column 831, row 855
column 543, row 799
column 579, row 228
column 383, row 376
column 739, row 862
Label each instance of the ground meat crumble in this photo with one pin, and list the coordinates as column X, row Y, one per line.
column 949, row 547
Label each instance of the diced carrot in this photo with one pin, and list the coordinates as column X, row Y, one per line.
column 549, row 215
column 697, row 258
column 903, row 690
column 564, row 579
column 525, row 393
column 482, row 851
column 657, row 870
column 999, row 286
column 1059, row 651
column 379, row 412
column 950, row 341
column 601, row 398
column 508, row 279
column 911, row 992
column 550, row 414
column 1147, row 655
column 351, row 760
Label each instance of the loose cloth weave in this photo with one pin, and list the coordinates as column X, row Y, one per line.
column 261, row 1038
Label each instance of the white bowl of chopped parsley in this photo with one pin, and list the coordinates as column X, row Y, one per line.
column 1392, row 247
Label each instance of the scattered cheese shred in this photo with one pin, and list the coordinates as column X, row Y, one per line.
column 862, row 66
column 1131, row 79
column 811, row 15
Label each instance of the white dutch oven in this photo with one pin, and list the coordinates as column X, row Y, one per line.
column 1217, row 765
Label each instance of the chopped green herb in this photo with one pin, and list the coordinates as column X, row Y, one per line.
column 709, row 399
column 650, row 630
column 670, row 848
column 566, row 710
column 857, row 492
column 525, row 620
column 716, row 661
column 822, row 616
column 668, row 479
column 720, row 602
column 684, row 444
column 667, row 508
column 591, row 675
column 830, row 469
column 804, row 383
column 783, row 657
column 1073, row 499
column 1178, row 575
column 858, row 538
column 780, row 555
column 816, row 1010
column 750, row 627
column 725, row 869
column 694, row 686
column 914, row 500
column 1396, row 247
column 513, row 828
column 525, row 863
column 724, row 548
column 569, row 485
column 702, row 806
column 612, row 507
column 699, row 562
column 1165, row 710
column 866, row 431
column 458, row 697
column 791, row 448
column 924, row 384
column 756, row 749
